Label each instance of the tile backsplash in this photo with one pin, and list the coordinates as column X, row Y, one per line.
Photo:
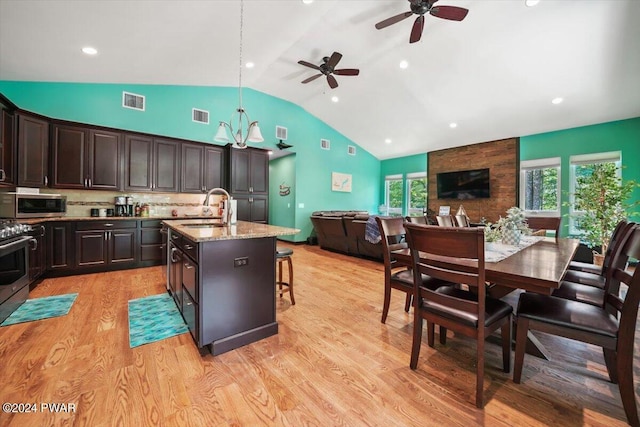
column 80, row 202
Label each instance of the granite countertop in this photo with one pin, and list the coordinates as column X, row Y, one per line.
column 202, row 232
column 110, row 218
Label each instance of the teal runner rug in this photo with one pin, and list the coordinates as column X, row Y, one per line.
column 153, row 319
column 41, row 308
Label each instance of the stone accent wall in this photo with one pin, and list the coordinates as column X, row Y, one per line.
column 501, row 157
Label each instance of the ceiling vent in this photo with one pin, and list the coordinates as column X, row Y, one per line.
column 325, row 144
column 281, row 133
column 133, row 101
column 200, row 116
column 351, row 150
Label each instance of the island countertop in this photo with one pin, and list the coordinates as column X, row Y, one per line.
column 204, row 230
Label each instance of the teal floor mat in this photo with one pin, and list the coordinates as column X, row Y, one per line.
column 41, row 308
column 153, row 319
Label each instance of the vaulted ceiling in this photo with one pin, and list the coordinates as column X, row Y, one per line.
column 494, row 74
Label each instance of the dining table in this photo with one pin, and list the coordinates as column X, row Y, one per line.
column 538, row 267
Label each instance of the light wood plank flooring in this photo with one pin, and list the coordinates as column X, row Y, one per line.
column 332, row 364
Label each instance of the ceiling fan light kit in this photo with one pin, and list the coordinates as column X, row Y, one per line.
column 252, row 133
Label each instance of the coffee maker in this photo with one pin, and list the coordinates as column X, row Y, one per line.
column 121, row 206
column 130, row 206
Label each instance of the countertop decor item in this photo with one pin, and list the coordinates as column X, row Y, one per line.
column 508, row 228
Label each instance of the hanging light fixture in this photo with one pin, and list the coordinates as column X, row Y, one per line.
column 252, row 133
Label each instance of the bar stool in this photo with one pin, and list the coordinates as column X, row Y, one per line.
column 282, row 255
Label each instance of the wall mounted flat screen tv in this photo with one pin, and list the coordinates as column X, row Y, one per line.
column 471, row 184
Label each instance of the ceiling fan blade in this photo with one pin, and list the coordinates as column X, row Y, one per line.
column 347, row 72
column 335, row 58
column 312, row 78
column 308, row 64
column 452, row 13
column 416, row 31
column 389, row 21
column 332, row 81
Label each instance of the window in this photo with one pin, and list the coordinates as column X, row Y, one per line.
column 540, row 185
column 393, row 195
column 416, row 193
column 582, row 165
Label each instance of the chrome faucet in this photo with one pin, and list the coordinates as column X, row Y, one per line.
column 226, row 210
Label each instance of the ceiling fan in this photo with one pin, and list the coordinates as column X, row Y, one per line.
column 327, row 68
column 420, row 8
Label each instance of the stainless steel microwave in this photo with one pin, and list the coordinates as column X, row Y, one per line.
column 23, row 205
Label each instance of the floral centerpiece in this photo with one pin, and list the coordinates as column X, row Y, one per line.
column 509, row 228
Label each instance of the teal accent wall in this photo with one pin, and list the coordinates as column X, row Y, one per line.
column 282, row 171
column 622, row 135
column 401, row 166
column 168, row 113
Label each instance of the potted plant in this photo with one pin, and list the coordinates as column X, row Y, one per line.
column 601, row 199
column 509, row 228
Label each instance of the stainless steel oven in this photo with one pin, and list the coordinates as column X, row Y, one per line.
column 14, row 267
column 24, row 205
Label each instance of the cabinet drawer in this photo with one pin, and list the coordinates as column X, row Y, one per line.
column 190, row 248
column 151, row 223
column 175, row 238
column 150, row 236
column 190, row 277
column 190, row 315
column 105, row 225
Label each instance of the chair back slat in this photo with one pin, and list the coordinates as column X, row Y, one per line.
column 617, row 237
column 417, row 219
column 392, row 233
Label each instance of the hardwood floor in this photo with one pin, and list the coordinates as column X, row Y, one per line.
column 332, row 364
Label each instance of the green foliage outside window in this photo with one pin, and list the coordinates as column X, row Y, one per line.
column 541, row 189
column 417, row 193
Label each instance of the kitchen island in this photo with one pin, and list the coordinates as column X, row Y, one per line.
column 222, row 278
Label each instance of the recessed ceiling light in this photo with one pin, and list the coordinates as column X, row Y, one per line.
column 307, row 1
column 335, row 99
column 453, row 125
column 89, row 50
column 531, row 3
column 270, row 152
column 557, row 100
column 388, row 141
column 249, row 65
column 404, row 64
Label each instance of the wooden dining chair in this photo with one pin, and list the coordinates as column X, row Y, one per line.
column 545, row 223
column 446, row 220
column 460, row 259
column 398, row 274
column 417, row 219
column 611, row 326
column 462, row 221
column 597, row 269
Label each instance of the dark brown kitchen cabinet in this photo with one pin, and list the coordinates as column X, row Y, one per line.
column 33, row 151
column 7, row 148
column 252, row 208
column 249, row 171
column 37, row 259
column 151, row 242
column 85, row 158
column 202, row 168
column 104, row 243
column 59, row 243
column 151, row 164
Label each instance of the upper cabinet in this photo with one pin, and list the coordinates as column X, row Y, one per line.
column 86, row 158
column 202, row 168
column 249, row 171
column 33, row 151
column 151, row 164
column 7, row 147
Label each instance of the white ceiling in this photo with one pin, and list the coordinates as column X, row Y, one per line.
column 494, row 74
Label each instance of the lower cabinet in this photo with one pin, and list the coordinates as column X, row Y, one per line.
column 37, row 261
column 151, row 242
column 104, row 243
column 60, row 244
column 253, row 208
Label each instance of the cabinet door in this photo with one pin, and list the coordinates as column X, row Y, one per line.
column 166, row 165
column 104, row 160
column 122, row 246
column 69, row 153
column 33, row 151
column 37, row 254
column 213, row 168
column 240, row 170
column 244, row 208
column 138, row 156
column 59, row 246
column 259, row 209
column 91, row 248
column 259, row 172
column 7, row 148
column 192, row 168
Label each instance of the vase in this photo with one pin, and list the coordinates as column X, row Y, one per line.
column 511, row 236
column 598, row 259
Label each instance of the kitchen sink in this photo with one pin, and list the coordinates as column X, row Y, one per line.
column 204, row 225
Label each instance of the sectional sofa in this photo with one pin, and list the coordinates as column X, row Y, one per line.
column 344, row 231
